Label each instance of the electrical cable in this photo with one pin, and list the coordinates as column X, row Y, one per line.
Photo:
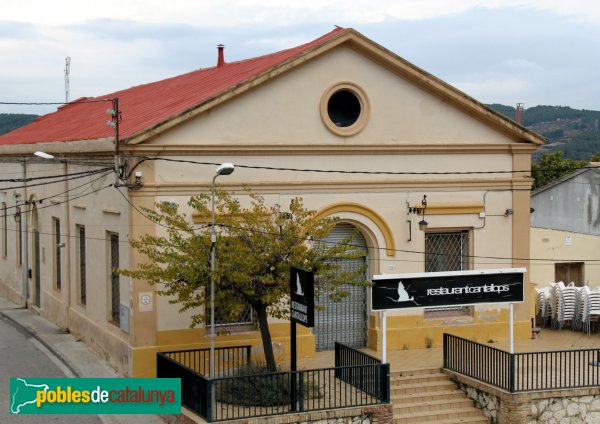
column 88, row 174
column 45, row 177
column 272, row 168
column 89, row 183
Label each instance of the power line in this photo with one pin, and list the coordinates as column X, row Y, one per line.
column 88, row 174
column 88, row 183
column 56, row 103
column 45, row 177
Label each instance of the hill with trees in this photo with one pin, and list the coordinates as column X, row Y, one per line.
column 12, row 121
column 575, row 132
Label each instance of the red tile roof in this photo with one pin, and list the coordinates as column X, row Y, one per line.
column 148, row 105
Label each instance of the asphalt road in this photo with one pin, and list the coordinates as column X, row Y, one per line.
column 23, row 356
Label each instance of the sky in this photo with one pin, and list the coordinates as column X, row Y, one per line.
column 536, row 52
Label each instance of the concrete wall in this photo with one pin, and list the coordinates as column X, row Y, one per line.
column 75, row 204
column 560, row 247
column 573, row 204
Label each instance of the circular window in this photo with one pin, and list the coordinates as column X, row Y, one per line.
column 344, row 109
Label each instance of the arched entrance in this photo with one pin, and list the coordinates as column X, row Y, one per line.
column 344, row 321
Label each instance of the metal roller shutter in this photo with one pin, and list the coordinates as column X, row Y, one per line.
column 344, row 321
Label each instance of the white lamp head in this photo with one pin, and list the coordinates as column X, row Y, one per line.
column 44, row 155
column 225, row 169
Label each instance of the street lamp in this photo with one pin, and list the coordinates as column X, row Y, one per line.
column 223, row 169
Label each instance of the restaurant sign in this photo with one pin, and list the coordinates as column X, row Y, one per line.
column 441, row 289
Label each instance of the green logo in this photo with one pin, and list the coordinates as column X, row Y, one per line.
column 95, row 396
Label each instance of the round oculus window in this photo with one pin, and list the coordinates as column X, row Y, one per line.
column 344, row 109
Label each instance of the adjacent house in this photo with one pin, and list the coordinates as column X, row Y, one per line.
column 389, row 135
column 565, row 229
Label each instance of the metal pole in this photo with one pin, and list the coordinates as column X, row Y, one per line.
column 213, row 242
column 25, row 255
column 384, row 336
column 511, row 322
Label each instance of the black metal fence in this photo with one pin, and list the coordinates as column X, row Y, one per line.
column 227, row 359
column 358, row 369
column 244, row 396
column 522, row 372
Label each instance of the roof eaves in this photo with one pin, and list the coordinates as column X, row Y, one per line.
column 438, row 87
column 242, row 86
column 561, row 180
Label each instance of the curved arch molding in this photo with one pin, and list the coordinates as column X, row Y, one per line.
column 390, row 246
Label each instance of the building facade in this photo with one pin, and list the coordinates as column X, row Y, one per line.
column 355, row 130
column 565, row 229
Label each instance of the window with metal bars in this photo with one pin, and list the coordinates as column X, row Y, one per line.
column 115, row 298
column 447, row 251
column 57, row 258
column 81, row 263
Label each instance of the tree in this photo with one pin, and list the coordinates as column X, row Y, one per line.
column 256, row 247
column 552, row 166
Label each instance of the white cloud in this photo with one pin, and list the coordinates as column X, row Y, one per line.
column 231, row 13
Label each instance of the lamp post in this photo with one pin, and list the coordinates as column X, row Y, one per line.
column 223, row 169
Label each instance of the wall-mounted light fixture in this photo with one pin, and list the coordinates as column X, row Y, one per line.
column 420, row 211
column 422, row 222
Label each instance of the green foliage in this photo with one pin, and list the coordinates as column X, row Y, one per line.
column 255, row 249
column 551, row 167
column 12, row 121
column 583, row 146
column 256, row 386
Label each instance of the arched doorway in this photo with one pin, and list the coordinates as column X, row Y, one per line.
column 344, row 321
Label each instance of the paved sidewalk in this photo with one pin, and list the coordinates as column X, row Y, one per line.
column 73, row 357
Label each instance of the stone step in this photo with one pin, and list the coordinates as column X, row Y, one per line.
column 419, row 378
column 434, row 386
column 437, row 416
column 466, row 420
column 422, row 371
column 427, row 396
column 432, row 405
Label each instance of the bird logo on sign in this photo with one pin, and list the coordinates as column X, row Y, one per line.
column 299, row 291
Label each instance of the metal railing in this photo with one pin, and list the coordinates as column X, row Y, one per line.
column 353, row 367
column 244, row 396
column 227, row 359
column 522, row 372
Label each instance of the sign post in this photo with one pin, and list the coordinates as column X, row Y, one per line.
column 443, row 289
column 302, row 310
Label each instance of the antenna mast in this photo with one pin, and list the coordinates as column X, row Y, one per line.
column 67, row 72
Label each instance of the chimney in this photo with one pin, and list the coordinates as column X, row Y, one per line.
column 519, row 117
column 221, row 58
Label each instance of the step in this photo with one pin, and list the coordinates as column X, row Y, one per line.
column 437, row 416
column 467, row 420
column 428, row 387
column 409, row 373
column 419, row 378
column 433, row 406
column 427, row 396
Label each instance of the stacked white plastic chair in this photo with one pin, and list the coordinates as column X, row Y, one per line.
column 569, row 297
column 582, row 308
column 556, row 302
column 594, row 310
column 542, row 306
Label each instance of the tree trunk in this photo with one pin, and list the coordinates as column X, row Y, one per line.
column 265, row 334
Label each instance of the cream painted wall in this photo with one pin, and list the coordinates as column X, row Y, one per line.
column 491, row 236
column 289, row 110
column 100, row 213
column 552, row 244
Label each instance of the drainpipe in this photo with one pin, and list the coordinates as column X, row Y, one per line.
column 67, row 209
